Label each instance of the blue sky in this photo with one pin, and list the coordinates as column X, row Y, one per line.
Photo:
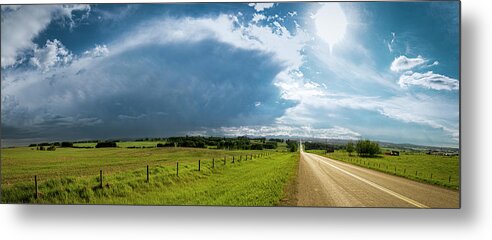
column 386, row 71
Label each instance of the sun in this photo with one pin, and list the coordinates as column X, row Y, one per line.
column 330, row 23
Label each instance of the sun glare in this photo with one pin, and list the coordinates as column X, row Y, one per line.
column 330, row 23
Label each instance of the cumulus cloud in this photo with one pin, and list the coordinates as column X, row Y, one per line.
column 21, row 24
column 52, row 54
column 258, row 17
column 285, row 46
column 261, row 6
column 289, row 131
column 403, row 63
column 429, row 80
column 97, row 51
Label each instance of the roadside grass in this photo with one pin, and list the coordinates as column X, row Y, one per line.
column 258, row 182
column 433, row 169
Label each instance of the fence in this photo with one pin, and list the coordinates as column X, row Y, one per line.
column 100, row 179
column 425, row 176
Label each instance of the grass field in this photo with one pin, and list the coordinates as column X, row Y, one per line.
column 71, row 176
column 433, row 169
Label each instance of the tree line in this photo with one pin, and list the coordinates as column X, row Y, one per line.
column 363, row 148
column 321, row 146
column 237, row 143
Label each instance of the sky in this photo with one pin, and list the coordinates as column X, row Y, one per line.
column 385, row 71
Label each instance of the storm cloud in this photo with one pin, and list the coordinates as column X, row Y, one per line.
column 169, row 89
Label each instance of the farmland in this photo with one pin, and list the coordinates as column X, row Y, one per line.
column 433, row 169
column 71, row 175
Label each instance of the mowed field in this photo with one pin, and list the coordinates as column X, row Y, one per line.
column 71, row 176
column 433, row 169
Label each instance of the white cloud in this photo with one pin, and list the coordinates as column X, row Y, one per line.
column 52, row 54
column 392, row 42
column 289, row 131
column 435, row 63
column 354, row 73
column 258, row 17
column 261, row 6
column 128, row 117
column 428, row 80
column 21, row 24
column 97, row 51
column 432, row 111
column 403, row 63
column 277, row 40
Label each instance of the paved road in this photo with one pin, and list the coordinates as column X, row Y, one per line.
column 327, row 182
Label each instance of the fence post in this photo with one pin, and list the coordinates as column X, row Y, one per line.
column 148, row 173
column 224, row 160
column 199, row 164
column 213, row 162
column 101, row 178
column 232, row 159
column 36, row 185
column 177, row 169
column 415, row 172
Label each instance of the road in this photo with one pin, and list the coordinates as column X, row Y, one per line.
column 326, row 182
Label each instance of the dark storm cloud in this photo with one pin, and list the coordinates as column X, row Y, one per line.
column 153, row 90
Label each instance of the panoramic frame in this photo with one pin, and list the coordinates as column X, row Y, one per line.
column 315, row 104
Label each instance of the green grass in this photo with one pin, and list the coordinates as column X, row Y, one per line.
column 71, row 176
column 416, row 166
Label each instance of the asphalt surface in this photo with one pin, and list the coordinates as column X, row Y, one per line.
column 330, row 183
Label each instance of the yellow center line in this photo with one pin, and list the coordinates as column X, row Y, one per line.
column 395, row 194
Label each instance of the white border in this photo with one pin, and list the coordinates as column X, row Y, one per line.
column 473, row 221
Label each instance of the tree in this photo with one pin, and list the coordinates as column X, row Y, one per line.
column 105, row 144
column 350, row 148
column 51, row 148
column 366, row 148
column 67, row 144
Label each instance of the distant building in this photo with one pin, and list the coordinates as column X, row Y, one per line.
column 392, row 153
